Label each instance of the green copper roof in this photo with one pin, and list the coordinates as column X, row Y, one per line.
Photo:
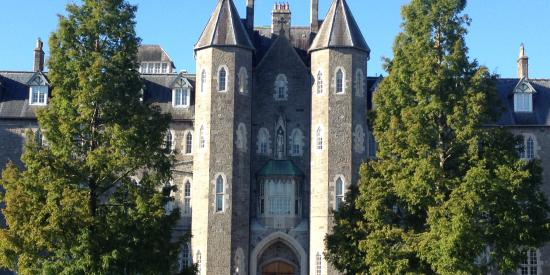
column 280, row 168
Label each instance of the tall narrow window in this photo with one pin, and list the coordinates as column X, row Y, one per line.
column 530, row 264
column 318, row 267
column 262, row 198
column 359, row 83
column 372, row 145
column 164, row 68
column 219, row 194
column 185, row 256
column 222, row 79
column 203, row 81
column 339, row 193
column 187, row 198
column 202, row 141
column 263, row 142
column 157, row 68
column 168, row 141
column 189, row 143
column 339, row 81
column 319, row 138
column 39, row 138
column 281, row 88
column 297, row 142
column 199, row 262
column 530, row 148
column 243, row 81
column 319, row 82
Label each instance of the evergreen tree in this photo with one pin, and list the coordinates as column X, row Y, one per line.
column 92, row 201
column 447, row 193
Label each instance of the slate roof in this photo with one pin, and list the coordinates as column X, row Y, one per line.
column 299, row 38
column 224, row 28
column 339, row 30
column 158, row 91
column 541, row 103
column 280, row 168
column 14, row 96
column 153, row 53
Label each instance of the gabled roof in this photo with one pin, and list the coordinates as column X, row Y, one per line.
column 524, row 86
column 14, row 100
column 38, row 79
column 224, row 28
column 339, row 30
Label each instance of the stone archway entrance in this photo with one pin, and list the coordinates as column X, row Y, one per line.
column 278, row 268
column 278, row 254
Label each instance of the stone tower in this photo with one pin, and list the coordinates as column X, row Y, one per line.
column 221, row 169
column 339, row 56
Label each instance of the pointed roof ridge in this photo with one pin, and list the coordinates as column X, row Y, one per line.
column 224, row 28
column 339, row 30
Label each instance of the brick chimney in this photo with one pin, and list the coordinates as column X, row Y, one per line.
column 38, row 57
column 314, row 16
column 281, row 20
column 523, row 63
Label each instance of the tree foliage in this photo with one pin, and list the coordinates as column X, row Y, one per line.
column 447, row 193
column 93, row 200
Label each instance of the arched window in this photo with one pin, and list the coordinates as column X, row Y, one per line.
column 242, row 141
column 219, row 194
column 168, row 141
column 339, row 81
column 318, row 264
column 319, row 138
column 202, row 140
column 319, row 82
column 185, row 256
column 243, row 81
column 222, row 80
column 359, row 139
column 297, row 143
column 189, row 143
column 339, row 191
column 281, row 88
column 359, row 83
column 263, row 142
column 187, row 198
column 530, row 148
column 203, row 81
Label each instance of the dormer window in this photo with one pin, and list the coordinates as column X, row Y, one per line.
column 180, row 97
column 523, row 97
column 39, row 95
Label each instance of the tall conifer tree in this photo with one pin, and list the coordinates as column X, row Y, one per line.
column 92, row 201
column 447, row 193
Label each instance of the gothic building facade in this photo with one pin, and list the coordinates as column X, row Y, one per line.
column 269, row 133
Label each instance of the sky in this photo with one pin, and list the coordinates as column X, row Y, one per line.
column 497, row 30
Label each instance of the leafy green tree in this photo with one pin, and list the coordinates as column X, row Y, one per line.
column 447, row 193
column 93, row 200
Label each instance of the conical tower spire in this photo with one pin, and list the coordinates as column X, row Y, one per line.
column 339, row 30
column 224, row 28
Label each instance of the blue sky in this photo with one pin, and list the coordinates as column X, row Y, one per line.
column 498, row 28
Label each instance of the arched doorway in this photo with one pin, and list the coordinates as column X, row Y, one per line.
column 278, row 268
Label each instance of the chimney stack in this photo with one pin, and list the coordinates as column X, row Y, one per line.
column 523, row 63
column 38, row 57
column 250, row 15
column 314, row 12
column 281, row 20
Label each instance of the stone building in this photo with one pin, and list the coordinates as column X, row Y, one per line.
column 269, row 134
